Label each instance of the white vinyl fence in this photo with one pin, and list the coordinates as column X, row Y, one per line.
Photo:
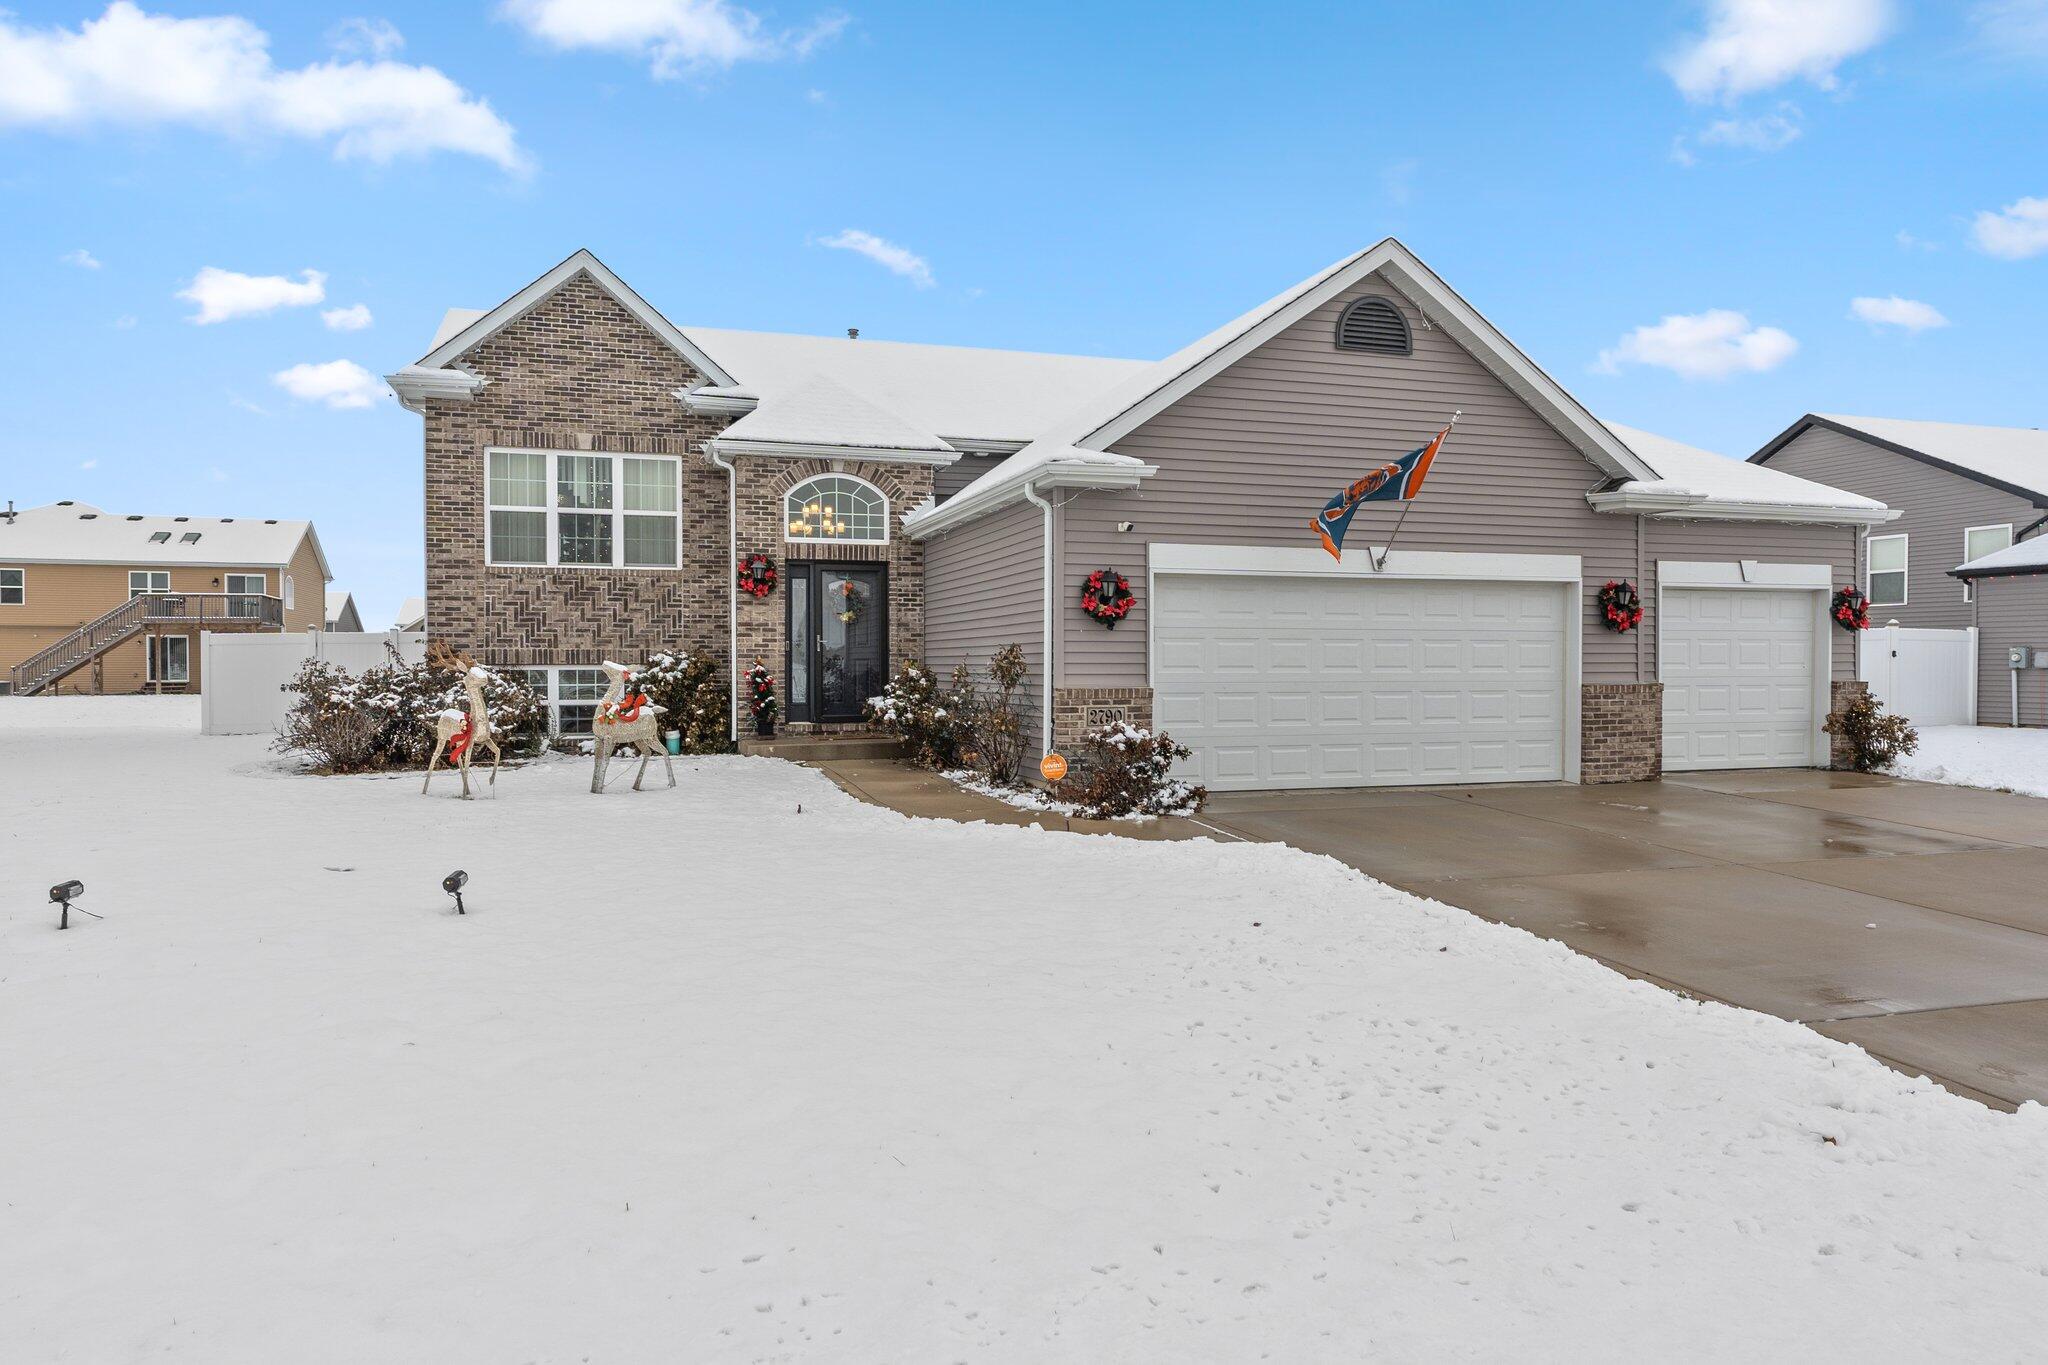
column 242, row 677
column 1927, row 676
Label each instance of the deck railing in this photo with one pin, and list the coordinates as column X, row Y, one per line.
column 149, row 611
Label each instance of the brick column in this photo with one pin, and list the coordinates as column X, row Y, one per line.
column 1077, row 710
column 1621, row 732
column 1840, row 694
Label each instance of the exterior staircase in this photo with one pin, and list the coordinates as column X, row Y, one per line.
column 146, row 613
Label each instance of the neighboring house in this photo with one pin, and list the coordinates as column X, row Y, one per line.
column 2009, row 594
column 342, row 615
column 594, row 473
column 94, row 601
column 412, row 615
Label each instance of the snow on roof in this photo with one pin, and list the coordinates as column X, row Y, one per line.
column 1721, row 479
column 2014, row 455
column 815, row 410
column 2026, row 556
column 452, row 322
column 79, row 533
column 336, row 600
column 1000, row 485
column 949, row 391
column 412, row 613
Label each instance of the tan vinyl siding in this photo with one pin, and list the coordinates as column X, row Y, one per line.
column 1771, row 542
column 1934, row 505
column 984, row 587
column 1248, row 458
column 2011, row 611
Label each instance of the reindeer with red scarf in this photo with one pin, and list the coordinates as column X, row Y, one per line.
column 626, row 720
column 458, row 733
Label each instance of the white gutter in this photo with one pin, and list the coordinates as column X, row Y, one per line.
column 1683, row 504
column 929, row 520
column 1031, row 495
column 732, row 600
column 820, row 450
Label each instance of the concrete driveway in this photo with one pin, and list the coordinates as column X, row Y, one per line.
column 1908, row 918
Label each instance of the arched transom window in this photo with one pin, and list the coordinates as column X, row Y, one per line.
column 837, row 508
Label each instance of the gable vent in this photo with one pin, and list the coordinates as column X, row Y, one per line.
column 1374, row 324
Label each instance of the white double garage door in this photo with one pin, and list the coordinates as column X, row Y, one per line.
column 1337, row 682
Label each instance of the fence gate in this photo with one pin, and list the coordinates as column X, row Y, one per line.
column 1927, row 676
column 242, row 676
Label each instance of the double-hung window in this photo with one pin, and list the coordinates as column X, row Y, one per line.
column 13, row 587
column 567, row 508
column 1979, row 541
column 141, row 581
column 571, row 695
column 244, row 591
column 1887, row 571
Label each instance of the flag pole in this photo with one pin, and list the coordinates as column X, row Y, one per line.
column 1379, row 565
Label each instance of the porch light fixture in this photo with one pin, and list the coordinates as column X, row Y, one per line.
column 453, row 884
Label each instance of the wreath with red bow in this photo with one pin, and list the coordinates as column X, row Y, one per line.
column 1850, row 608
column 1620, row 607
column 1107, row 597
column 757, row 575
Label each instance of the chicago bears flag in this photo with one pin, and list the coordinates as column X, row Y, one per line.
column 1395, row 481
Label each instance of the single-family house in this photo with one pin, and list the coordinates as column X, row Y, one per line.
column 2009, row 602
column 342, row 615
column 598, row 480
column 412, row 615
column 95, row 601
column 1967, row 498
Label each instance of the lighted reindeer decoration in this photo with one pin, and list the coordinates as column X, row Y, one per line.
column 458, row 733
column 626, row 720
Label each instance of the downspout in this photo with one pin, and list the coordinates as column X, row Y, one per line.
column 732, row 558
column 1045, row 727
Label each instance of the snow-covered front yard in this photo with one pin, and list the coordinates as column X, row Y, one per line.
column 703, row 1076
column 1980, row 756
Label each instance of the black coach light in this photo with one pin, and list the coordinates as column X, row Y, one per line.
column 62, row 894
column 453, row 884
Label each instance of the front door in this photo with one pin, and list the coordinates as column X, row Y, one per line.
column 838, row 640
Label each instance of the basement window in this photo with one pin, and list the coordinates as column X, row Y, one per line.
column 1374, row 324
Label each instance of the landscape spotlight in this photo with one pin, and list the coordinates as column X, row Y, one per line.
column 453, row 884
column 61, row 894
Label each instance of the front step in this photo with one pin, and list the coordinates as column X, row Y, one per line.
column 822, row 748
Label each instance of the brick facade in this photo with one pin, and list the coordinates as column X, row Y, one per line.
column 1621, row 732
column 579, row 372
column 1076, row 710
column 1840, row 694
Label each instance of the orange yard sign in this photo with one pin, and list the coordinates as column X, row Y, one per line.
column 1052, row 767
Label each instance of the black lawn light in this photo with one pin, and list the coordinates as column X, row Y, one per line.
column 61, row 895
column 453, row 884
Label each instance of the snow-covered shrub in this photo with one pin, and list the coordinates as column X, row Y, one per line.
column 1127, row 771
column 693, row 700
column 1875, row 740
column 924, row 713
column 384, row 717
column 992, row 718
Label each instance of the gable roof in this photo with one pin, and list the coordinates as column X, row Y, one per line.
column 2023, row 556
column 2012, row 459
column 816, row 414
column 79, row 533
column 410, row 610
column 1692, row 482
column 448, row 347
column 1103, row 420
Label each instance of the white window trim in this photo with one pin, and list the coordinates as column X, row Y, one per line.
column 552, row 513
column 21, row 586
column 262, row 588
column 290, row 594
column 153, row 651
column 147, row 574
column 1969, row 585
column 1754, row 575
column 551, row 699
column 1903, row 571
column 788, row 539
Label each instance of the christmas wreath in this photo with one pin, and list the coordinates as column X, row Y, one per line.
column 853, row 603
column 1850, row 608
column 757, row 575
column 1107, row 597
column 761, row 697
column 1620, row 607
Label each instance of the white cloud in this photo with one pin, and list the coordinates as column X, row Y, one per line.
column 1908, row 314
column 81, row 258
column 675, row 36
column 126, row 322
column 1709, row 345
column 235, row 400
column 1753, row 45
column 88, row 464
column 1768, row 133
column 134, row 69
column 353, row 318
column 1908, row 242
column 897, row 260
column 337, row 383
column 2011, row 28
column 365, row 37
column 224, row 294
column 2015, row 232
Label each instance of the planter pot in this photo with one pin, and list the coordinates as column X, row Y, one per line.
column 674, row 740
column 764, row 726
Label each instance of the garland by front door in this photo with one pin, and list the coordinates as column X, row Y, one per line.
column 838, row 640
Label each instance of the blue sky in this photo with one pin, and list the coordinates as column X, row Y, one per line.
column 1673, row 206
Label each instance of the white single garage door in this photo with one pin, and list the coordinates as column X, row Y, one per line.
column 1337, row 682
column 1738, row 671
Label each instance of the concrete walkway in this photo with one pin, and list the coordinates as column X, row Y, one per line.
column 916, row 791
column 1906, row 917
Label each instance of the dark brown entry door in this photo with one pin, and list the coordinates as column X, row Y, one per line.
column 838, row 639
